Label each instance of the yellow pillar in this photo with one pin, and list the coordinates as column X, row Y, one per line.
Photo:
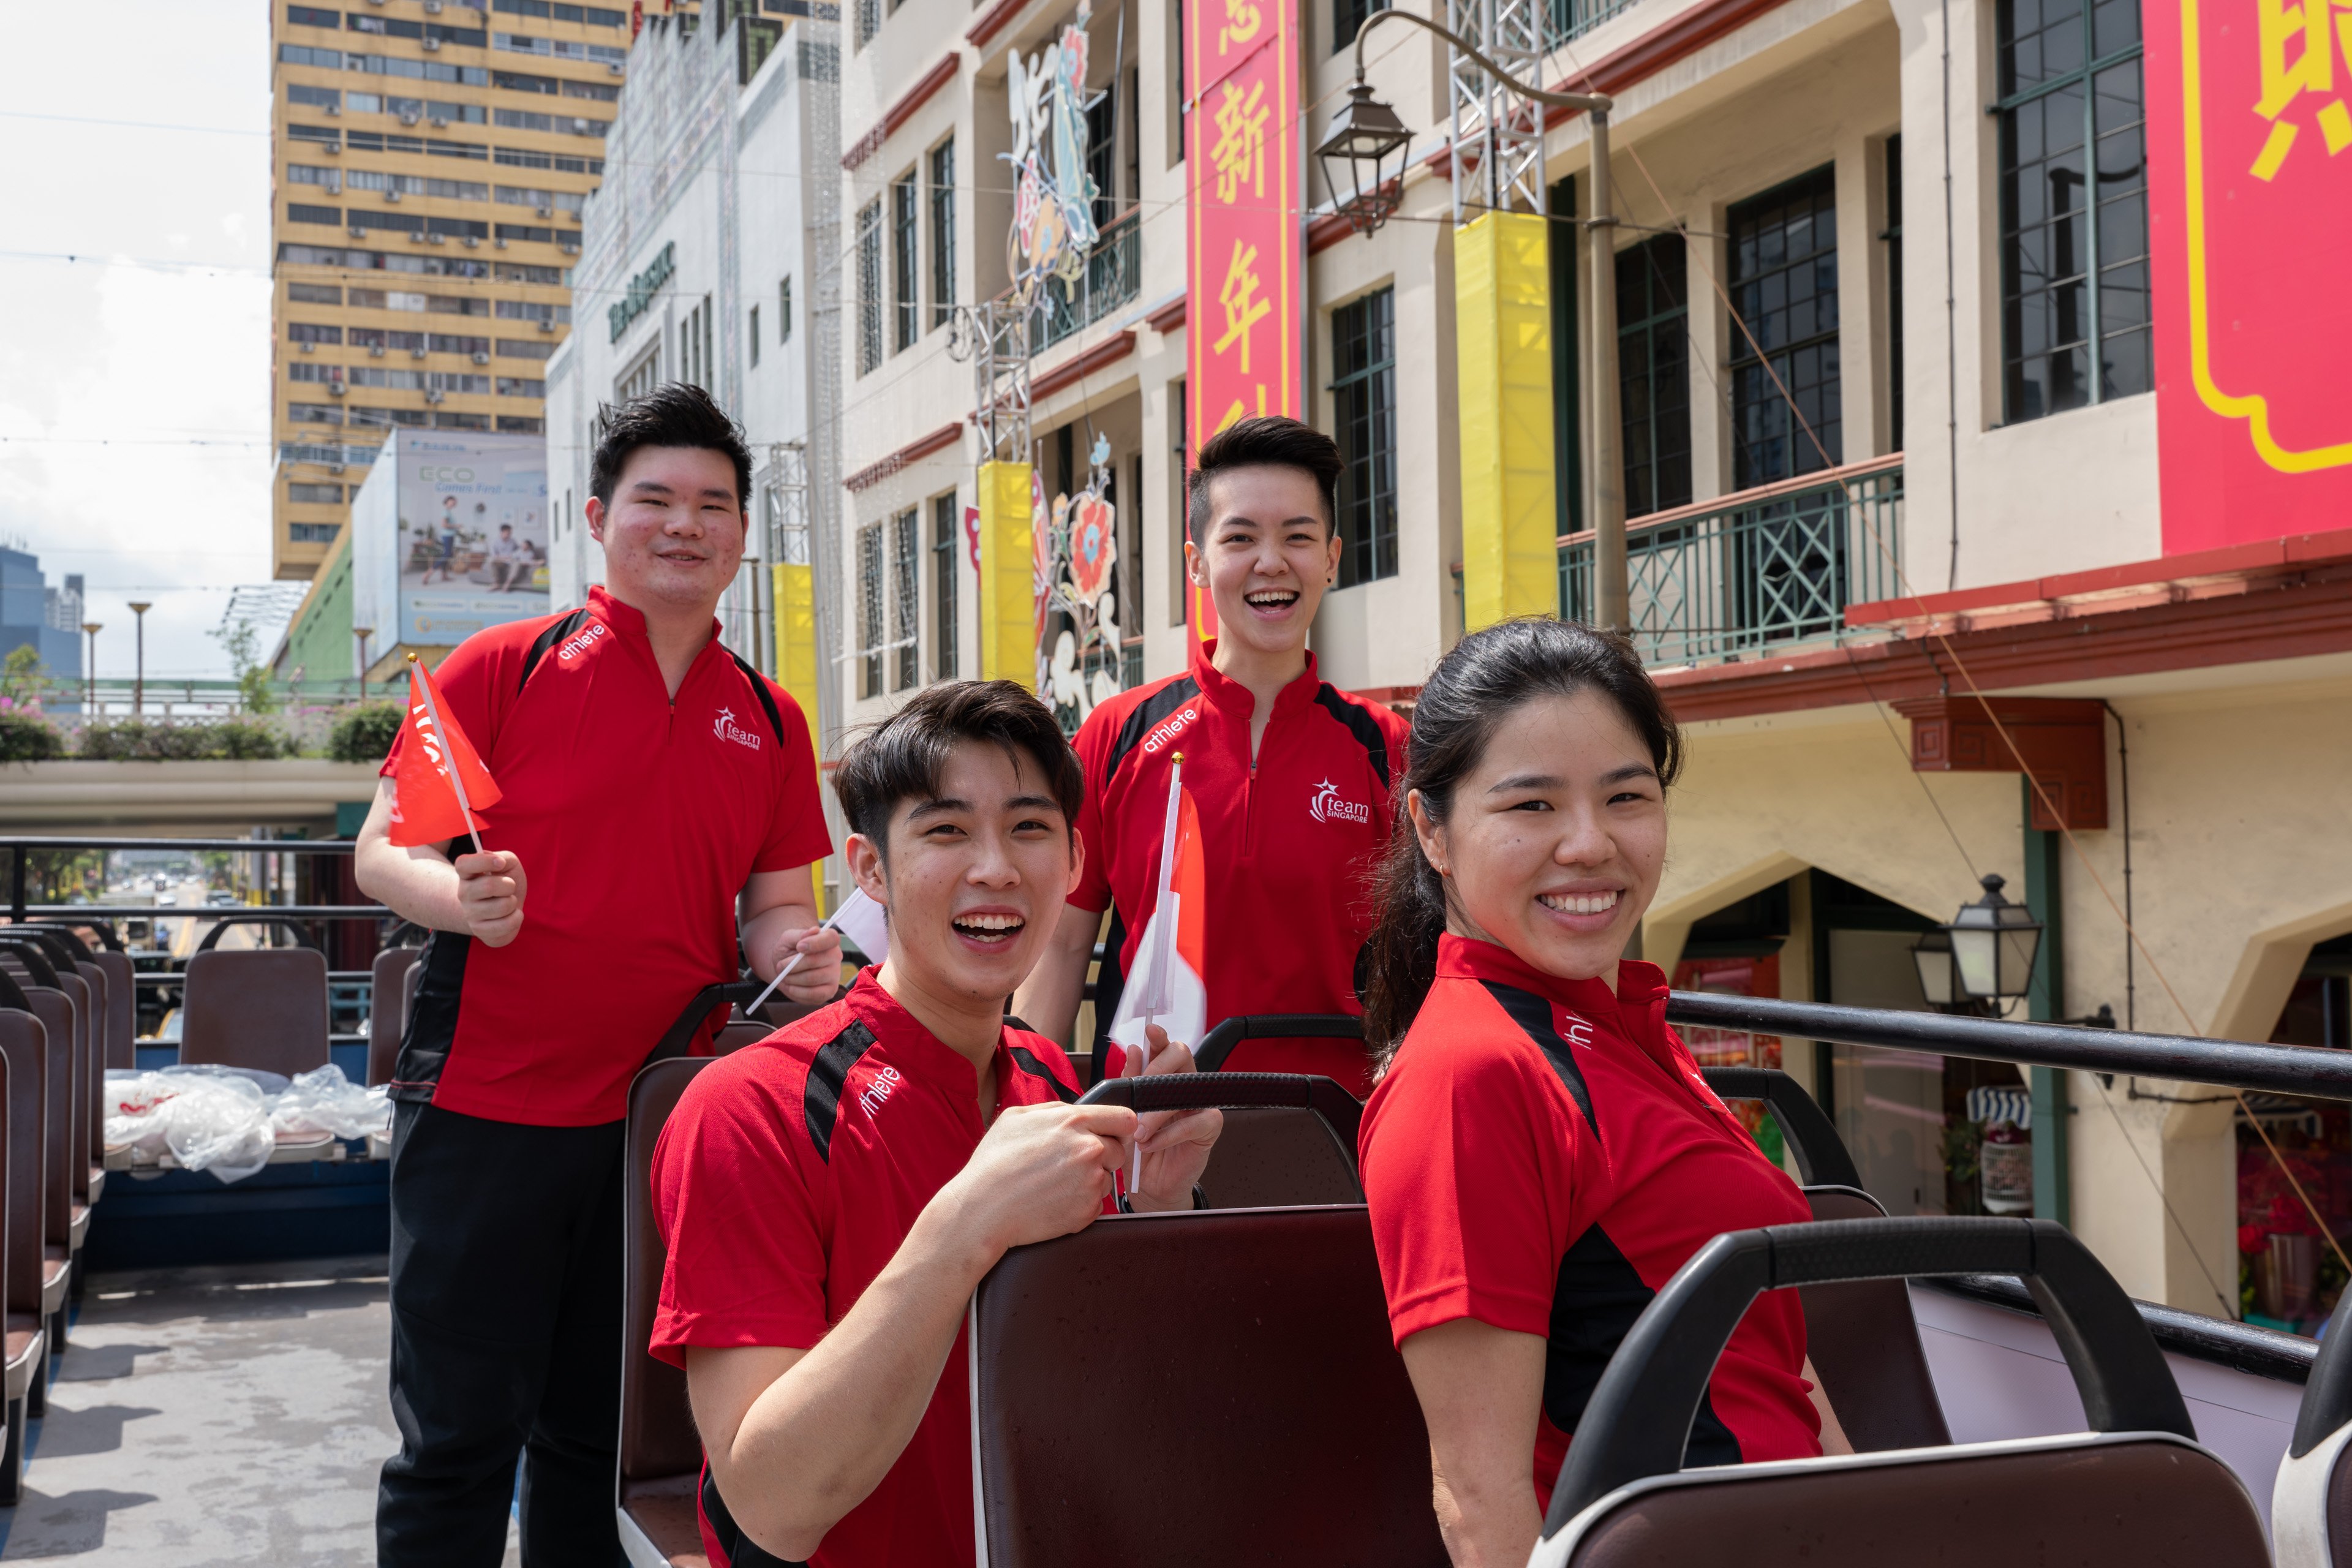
column 1502, row 323
column 1008, row 632
column 796, row 661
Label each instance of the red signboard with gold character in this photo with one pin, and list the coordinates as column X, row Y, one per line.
column 2250, row 164
column 1244, row 250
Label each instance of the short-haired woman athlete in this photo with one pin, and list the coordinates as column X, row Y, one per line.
column 1541, row 1153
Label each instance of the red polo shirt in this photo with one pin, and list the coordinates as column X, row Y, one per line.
column 786, row 1179
column 1542, row 1157
column 1290, row 842
column 637, row 820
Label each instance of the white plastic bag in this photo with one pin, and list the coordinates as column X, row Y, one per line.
column 208, row 1119
column 324, row 1101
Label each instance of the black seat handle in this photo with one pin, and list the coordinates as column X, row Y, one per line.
column 302, row 937
column 59, row 952
column 107, row 938
column 34, row 956
column 12, row 996
column 1340, row 1114
column 1218, row 1044
column 1638, row 1422
column 1822, row 1158
column 679, row 1038
column 2327, row 1393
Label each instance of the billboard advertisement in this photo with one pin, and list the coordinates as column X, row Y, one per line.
column 2250, row 190
column 449, row 535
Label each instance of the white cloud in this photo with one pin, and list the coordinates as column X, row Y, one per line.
column 116, row 370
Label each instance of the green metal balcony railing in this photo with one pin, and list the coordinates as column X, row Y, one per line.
column 1768, row 567
column 1114, row 272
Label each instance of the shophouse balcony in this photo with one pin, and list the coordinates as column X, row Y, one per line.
column 1114, row 272
column 1768, row 567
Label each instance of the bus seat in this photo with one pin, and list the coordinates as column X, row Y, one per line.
column 1822, row 1159
column 2137, row 1488
column 1299, row 1147
column 91, row 1135
column 24, row 1052
column 392, row 987
column 661, row 1457
column 122, row 1007
column 1865, row 1347
column 738, row 1033
column 60, row 1235
column 263, row 1007
column 2311, row 1500
column 1263, row 1373
column 1261, row 1379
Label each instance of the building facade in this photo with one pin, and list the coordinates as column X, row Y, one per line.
column 429, row 163
column 45, row 617
column 1892, row 304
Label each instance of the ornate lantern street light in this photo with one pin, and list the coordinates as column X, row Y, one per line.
column 1984, row 953
column 1363, row 159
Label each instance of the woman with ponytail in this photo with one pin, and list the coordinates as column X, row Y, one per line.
column 1540, row 1153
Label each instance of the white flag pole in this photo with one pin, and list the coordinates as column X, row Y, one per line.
column 1163, row 939
column 448, row 751
column 757, row 1002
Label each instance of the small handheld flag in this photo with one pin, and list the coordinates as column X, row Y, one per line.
column 433, row 748
column 860, row 920
column 1169, row 991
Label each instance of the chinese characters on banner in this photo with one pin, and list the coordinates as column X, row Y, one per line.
column 2250, row 194
column 1245, row 246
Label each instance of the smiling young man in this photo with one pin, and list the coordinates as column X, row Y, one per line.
column 659, row 804
column 831, row 1196
column 1290, row 775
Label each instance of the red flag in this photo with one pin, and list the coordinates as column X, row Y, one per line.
column 430, row 801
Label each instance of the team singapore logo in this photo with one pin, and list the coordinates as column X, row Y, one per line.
column 1325, row 806
column 726, row 729
column 1169, row 728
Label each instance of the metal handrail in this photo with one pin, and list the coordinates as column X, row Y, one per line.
column 2307, row 1070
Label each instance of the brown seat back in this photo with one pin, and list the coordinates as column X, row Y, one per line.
column 255, row 1007
column 121, row 1007
column 735, row 1036
column 1271, row 1156
column 24, row 1046
column 2113, row 1501
column 657, row 1437
column 86, row 1075
column 388, row 1009
column 93, row 1109
column 1284, row 1427
column 61, row 1060
column 1865, row 1345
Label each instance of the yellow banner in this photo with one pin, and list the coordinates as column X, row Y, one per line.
column 1008, row 609
column 1502, row 320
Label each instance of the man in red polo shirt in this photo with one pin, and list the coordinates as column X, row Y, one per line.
column 1290, row 775
column 655, row 789
column 831, row 1196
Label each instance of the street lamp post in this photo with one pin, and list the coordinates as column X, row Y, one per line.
column 362, row 633
column 139, row 607
column 1370, row 144
column 90, row 671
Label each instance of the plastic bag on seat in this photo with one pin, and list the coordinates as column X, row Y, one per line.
column 208, row 1119
column 324, row 1101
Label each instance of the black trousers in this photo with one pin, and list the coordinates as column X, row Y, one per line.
column 506, row 1341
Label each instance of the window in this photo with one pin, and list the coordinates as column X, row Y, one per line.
column 521, row 425
column 784, row 311
column 906, row 299
column 946, row 635
column 313, row 533
column 329, row 179
column 527, row 158
column 1784, row 282
column 1346, row 16
column 752, row 336
column 445, row 420
column 866, row 20
column 641, row 377
column 869, row 610
column 324, row 135
column 1363, row 395
column 309, row 332
column 314, row 97
column 455, row 343
column 1654, row 374
column 906, row 596
column 526, row 348
column 519, row 272
column 565, row 124
column 314, row 294
column 569, row 202
column 311, row 16
column 869, row 285
column 1180, row 468
column 314, row 495
column 943, row 204
column 694, row 356
column 1894, row 237
column 314, row 414
column 518, row 386
column 298, row 212
column 2073, row 261
column 456, row 381
column 589, row 15
column 521, row 311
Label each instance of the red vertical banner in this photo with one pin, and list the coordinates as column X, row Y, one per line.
column 1246, row 250
column 2250, row 207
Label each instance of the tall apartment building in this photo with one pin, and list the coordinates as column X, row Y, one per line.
column 430, row 162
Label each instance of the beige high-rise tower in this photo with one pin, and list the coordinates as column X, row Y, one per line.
column 430, row 159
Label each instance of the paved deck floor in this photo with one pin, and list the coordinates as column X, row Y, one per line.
column 216, row 1416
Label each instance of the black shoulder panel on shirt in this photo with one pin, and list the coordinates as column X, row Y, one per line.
column 554, row 632
column 1597, row 1297
column 760, row 689
column 1026, row 1060
column 1147, row 716
column 1362, row 725
column 1533, row 1014
column 827, row 1074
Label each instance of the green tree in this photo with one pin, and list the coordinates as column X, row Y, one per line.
column 254, row 690
column 24, row 680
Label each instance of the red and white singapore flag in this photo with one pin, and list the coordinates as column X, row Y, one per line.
column 1168, row 988
column 440, row 784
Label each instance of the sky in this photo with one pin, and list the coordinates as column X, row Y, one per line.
column 135, row 138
